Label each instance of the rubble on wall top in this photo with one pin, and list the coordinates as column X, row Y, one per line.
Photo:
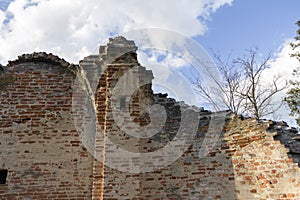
column 289, row 137
column 297, row 137
column 120, row 41
column 160, row 97
column 283, row 127
column 46, row 58
column 1, row 68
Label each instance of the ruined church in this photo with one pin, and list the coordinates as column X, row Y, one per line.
column 97, row 131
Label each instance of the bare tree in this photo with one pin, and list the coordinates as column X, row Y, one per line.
column 241, row 87
column 221, row 93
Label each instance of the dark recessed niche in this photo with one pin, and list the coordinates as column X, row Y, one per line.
column 3, row 176
column 123, row 103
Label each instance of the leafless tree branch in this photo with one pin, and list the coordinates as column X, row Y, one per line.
column 242, row 88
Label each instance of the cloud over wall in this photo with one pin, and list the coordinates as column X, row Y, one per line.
column 75, row 28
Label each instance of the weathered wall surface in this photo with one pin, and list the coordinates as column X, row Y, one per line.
column 39, row 144
column 54, row 142
column 261, row 165
column 195, row 175
column 244, row 162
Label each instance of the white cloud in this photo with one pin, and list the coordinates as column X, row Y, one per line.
column 215, row 6
column 282, row 65
column 2, row 16
column 69, row 27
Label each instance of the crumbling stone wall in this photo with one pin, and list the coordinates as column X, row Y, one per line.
column 51, row 150
column 39, row 144
column 262, row 167
column 289, row 137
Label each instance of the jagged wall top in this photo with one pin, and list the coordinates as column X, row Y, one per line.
column 117, row 47
column 46, row 58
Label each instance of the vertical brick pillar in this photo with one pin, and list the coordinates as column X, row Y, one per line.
column 124, row 86
column 92, row 69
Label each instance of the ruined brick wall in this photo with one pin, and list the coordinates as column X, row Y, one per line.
column 195, row 174
column 221, row 174
column 39, row 144
column 262, row 167
column 120, row 81
column 59, row 123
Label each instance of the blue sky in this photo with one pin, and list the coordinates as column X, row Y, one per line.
column 265, row 24
column 4, row 4
column 73, row 29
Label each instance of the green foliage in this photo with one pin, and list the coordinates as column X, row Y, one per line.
column 293, row 95
column 296, row 45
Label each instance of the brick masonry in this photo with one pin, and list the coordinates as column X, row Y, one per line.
column 39, row 145
column 51, row 151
